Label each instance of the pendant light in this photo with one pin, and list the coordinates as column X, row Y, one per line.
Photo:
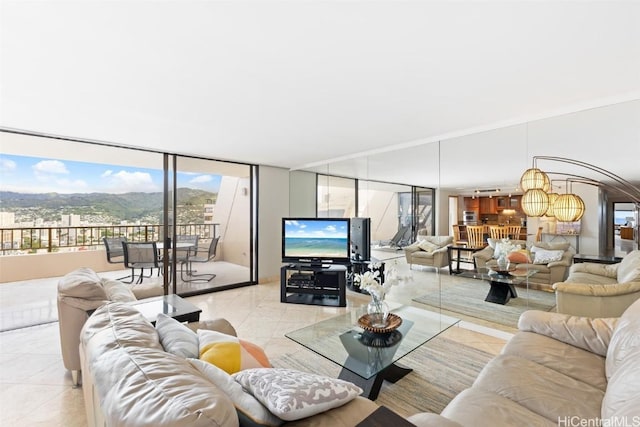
column 535, row 202
column 568, row 207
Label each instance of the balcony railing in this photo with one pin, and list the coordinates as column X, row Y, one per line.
column 51, row 239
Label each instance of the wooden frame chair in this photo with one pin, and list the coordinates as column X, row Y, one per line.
column 475, row 236
column 498, row 232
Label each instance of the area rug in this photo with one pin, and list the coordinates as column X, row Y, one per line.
column 442, row 368
column 467, row 299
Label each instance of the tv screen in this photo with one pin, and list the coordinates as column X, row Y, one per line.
column 315, row 240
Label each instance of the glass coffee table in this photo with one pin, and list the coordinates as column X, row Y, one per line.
column 502, row 284
column 366, row 358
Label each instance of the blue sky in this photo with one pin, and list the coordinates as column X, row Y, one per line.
column 315, row 228
column 43, row 175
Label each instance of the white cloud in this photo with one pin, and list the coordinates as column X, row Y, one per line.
column 125, row 182
column 106, row 173
column 46, row 167
column 71, row 186
column 7, row 165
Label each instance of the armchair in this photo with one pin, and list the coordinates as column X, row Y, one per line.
column 430, row 251
column 600, row 290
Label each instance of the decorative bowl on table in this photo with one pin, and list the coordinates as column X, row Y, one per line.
column 393, row 322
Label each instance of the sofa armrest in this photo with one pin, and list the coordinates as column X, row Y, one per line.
column 427, row 419
column 597, row 290
column 219, row 325
column 591, row 334
column 607, row 270
column 484, row 254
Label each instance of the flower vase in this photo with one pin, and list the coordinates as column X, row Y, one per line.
column 378, row 311
column 503, row 263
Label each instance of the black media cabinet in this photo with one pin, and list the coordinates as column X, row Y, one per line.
column 315, row 285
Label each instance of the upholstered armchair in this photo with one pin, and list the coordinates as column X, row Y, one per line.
column 600, row 290
column 429, row 251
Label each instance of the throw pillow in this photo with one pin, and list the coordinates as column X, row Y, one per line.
column 230, row 353
column 427, row 246
column 519, row 256
column 503, row 247
column 544, row 256
column 291, row 395
column 176, row 338
column 250, row 411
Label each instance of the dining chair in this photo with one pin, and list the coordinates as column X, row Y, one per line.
column 140, row 255
column 514, row 231
column 457, row 239
column 475, row 235
column 211, row 253
column 498, row 232
column 538, row 237
column 115, row 251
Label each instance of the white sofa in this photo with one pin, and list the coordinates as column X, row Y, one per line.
column 546, row 274
column 557, row 370
column 82, row 291
column 129, row 380
column 600, row 290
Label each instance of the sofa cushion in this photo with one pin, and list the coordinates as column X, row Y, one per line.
column 629, row 268
column 292, row 395
column 625, row 340
column 545, row 256
column 82, row 283
column 177, row 338
column 572, row 361
column 117, row 291
column 592, row 279
column 540, row 389
column 250, row 410
column 552, row 246
column 479, row 408
column 230, row 353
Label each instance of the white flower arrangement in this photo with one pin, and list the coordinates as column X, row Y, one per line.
column 370, row 280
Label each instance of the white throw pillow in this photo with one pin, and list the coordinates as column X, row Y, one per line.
column 545, row 256
column 503, row 247
column 427, row 246
column 246, row 405
column 291, row 395
column 176, row 338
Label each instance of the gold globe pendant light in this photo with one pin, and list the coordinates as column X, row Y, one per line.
column 535, row 202
column 552, row 199
column 534, row 178
column 568, row 207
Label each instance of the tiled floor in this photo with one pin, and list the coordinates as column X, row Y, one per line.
column 36, row 389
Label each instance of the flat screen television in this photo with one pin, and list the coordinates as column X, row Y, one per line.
column 361, row 239
column 316, row 241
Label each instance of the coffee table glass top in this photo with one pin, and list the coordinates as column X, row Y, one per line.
column 366, row 354
column 515, row 277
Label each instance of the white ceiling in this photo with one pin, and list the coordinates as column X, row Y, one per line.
column 315, row 84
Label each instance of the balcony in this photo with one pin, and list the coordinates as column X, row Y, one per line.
column 33, row 260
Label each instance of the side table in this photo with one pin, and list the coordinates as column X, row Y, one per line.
column 458, row 258
column 578, row 258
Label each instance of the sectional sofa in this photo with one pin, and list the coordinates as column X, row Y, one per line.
column 557, row 369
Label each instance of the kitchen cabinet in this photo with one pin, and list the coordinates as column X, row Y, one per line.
column 472, row 204
column 506, row 202
column 488, row 205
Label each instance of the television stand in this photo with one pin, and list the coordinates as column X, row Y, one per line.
column 314, row 284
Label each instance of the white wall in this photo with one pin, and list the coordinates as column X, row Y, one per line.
column 273, row 205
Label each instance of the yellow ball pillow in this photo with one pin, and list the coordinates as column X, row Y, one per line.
column 229, row 353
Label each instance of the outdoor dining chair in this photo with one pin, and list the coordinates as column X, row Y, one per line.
column 211, row 253
column 115, row 251
column 140, row 255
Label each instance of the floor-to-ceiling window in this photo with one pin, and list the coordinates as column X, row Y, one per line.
column 64, row 196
